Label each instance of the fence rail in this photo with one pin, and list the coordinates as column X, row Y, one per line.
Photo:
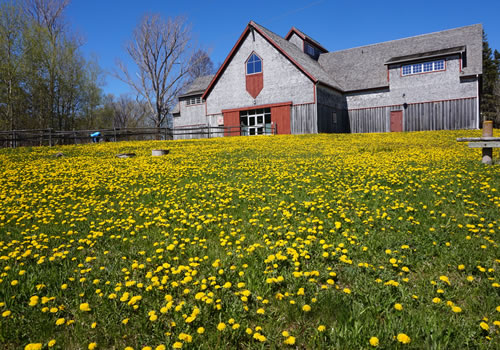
column 50, row 137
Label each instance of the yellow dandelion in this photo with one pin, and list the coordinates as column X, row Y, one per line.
column 374, row 341
column 403, row 338
column 85, row 307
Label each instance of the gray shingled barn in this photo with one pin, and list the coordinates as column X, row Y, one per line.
column 425, row 82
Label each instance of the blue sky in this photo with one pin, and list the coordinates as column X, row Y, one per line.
column 106, row 25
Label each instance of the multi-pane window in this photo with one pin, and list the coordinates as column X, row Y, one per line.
column 254, row 64
column 193, row 101
column 423, row 67
column 256, row 122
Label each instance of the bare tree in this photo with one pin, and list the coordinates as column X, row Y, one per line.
column 200, row 65
column 161, row 51
column 128, row 113
column 47, row 14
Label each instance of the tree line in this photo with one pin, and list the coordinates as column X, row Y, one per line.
column 46, row 82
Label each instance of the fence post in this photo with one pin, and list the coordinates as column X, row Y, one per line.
column 50, row 137
column 208, row 130
column 114, row 132
column 13, row 139
column 74, row 136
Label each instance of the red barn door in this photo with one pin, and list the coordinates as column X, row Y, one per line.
column 396, row 121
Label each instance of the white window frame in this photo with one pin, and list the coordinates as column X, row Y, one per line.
column 419, row 68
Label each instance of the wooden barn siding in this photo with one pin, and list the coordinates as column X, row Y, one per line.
column 325, row 120
column 441, row 115
column 303, row 119
column 370, row 119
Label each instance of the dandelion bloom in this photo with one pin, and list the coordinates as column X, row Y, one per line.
column 290, row 340
column 177, row 345
column 398, row 306
column 285, row 333
column 85, row 307
column 261, row 311
column 484, row 326
column 92, row 346
column 403, row 338
column 33, row 300
column 306, row 308
column 51, row 343
column 436, row 300
column 33, row 346
column 221, row 326
column 374, row 341
column 6, row 313
column 347, row 291
column 321, row 328
column 60, row 321
column 200, row 330
column 456, row 309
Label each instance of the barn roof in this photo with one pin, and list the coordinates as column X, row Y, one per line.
column 198, row 86
column 365, row 67
column 304, row 36
column 304, row 60
column 301, row 60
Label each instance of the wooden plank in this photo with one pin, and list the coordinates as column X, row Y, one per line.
column 488, row 144
column 472, row 139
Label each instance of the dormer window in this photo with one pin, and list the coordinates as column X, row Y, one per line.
column 311, row 50
column 254, row 64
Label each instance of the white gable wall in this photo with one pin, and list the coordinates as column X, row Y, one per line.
column 283, row 81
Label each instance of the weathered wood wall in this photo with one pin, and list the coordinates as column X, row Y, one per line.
column 303, row 119
column 441, row 115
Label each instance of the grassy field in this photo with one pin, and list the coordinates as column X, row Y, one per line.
column 308, row 242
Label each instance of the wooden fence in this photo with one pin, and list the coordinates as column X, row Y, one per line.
column 49, row 137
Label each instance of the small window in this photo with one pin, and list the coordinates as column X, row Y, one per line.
column 193, row 101
column 428, row 67
column 254, row 64
column 425, row 67
column 439, row 65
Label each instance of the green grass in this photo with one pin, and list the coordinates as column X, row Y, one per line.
column 325, row 213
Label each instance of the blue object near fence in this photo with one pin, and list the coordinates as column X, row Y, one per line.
column 95, row 136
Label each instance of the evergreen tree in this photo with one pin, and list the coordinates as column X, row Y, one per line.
column 490, row 96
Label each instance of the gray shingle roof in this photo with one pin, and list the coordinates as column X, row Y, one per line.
column 363, row 67
column 305, row 37
column 198, row 86
column 303, row 59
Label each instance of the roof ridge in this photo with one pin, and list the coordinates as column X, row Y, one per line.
column 405, row 38
column 312, row 61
